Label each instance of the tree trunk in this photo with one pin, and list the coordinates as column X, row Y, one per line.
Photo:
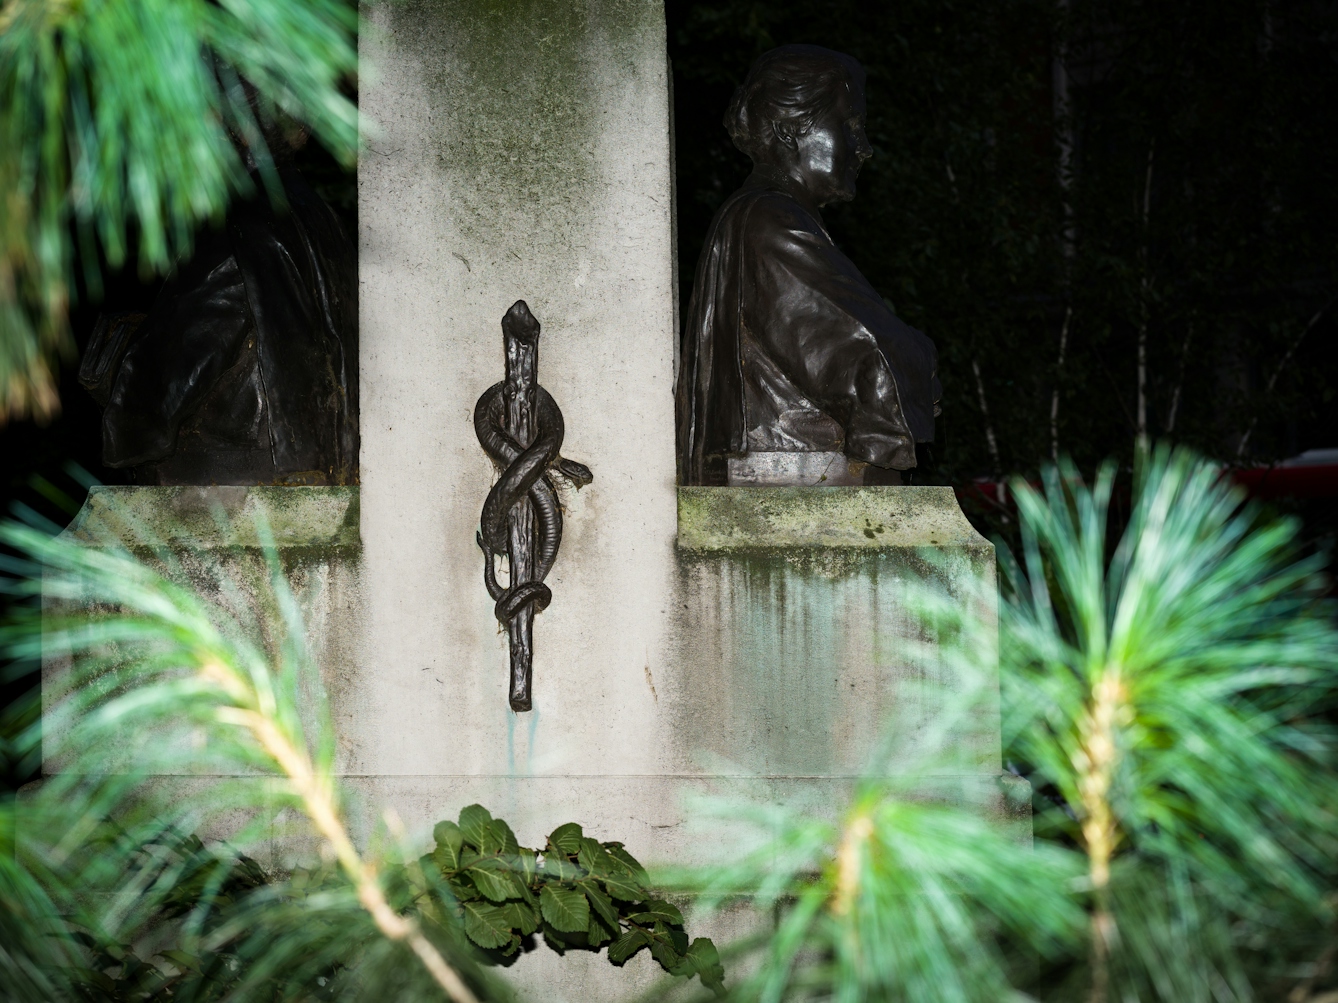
column 1063, row 119
column 990, row 439
column 1144, row 293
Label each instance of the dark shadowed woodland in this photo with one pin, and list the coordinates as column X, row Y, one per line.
column 1115, row 218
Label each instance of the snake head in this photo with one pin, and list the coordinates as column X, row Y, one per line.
column 578, row 473
column 520, row 324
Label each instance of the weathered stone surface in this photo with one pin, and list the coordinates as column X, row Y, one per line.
column 799, row 628
column 219, row 516
column 712, row 519
column 211, row 538
column 777, row 469
column 521, row 150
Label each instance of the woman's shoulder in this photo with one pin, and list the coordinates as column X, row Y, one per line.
column 764, row 212
column 766, row 202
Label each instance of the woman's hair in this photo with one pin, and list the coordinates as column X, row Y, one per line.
column 792, row 84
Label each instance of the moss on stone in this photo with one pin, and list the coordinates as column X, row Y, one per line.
column 879, row 518
column 219, row 516
column 515, row 104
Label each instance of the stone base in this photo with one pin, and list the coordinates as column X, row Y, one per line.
column 212, row 539
column 783, row 660
column 800, row 645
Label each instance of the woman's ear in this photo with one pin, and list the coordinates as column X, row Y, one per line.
column 785, row 135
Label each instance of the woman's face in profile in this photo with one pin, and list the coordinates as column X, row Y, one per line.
column 828, row 157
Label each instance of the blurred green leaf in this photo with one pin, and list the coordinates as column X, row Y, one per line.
column 1170, row 691
column 627, row 945
column 598, row 933
column 521, row 917
column 657, row 911
column 492, row 885
column 623, row 889
column 446, row 856
column 448, row 833
column 504, row 837
column 592, row 856
column 703, row 960
column 475, row 827
column 599, row 902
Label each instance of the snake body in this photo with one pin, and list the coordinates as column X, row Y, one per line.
column 524, row 472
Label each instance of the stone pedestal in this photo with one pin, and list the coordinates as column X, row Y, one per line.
column 798, row 628
column 211, row 539
column 780, row 662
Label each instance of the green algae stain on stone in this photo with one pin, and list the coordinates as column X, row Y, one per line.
column 887, row 517
column 800, row 603
column 219, row 516
column 514, row 117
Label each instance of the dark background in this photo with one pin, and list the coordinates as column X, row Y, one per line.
column 960, row 217
column 1220, row 259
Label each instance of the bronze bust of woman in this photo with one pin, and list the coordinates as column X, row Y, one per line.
column 793, row 369
column 245, row 370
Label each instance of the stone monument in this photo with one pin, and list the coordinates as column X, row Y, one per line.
column 696, row 633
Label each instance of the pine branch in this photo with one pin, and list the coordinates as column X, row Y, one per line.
column 121, row 127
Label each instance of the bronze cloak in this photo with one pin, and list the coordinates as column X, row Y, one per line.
column 254, row 338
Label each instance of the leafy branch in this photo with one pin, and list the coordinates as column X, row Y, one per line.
column 316, row 795
column 581, row 893
column 164, row 665
column 1170, row 692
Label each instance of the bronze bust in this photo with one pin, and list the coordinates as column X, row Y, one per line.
column 793, row 369
column 245, row 370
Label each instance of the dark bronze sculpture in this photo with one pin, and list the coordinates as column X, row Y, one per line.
column 245, row 371
column 789, row 359
column 520, row 427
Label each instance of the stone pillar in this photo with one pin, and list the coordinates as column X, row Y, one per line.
column 520, row 151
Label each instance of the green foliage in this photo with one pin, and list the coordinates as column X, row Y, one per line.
column 186, row 921
column 101, row 900
column 900, row 900
column 1168, row 694
column 219, row 890
column 579, row 892
column 199, row 941
column 165, row 681
column 1208, row 623
column 120, row 127
column 1173, row 694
